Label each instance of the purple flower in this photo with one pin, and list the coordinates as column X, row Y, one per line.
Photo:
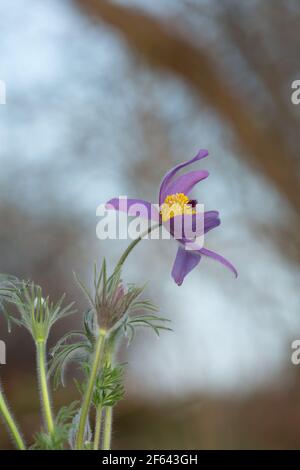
column 174, row 203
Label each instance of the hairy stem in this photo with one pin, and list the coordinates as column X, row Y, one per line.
column 90, row 388
column 133, row 244
column 46, row 403
column 11, row 423
column 97, row 428
column 108, row 410
column 107, row 431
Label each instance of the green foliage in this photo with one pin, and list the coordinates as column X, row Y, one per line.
column 112, row 300
column 37, row 314
column 114, row 307
column 79, row 350
column 109, row 389
column 8, row 286
column 118, row 308
column 154, row 322
column 74, row 430
column 60, row 438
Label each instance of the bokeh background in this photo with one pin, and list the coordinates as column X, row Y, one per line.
column 102, row 98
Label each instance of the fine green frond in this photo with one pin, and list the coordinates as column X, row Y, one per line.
column 58, row 440
column 112, row 300
column 63, row 339
column 8, row 286
column 74, row 346
column 114, row 281
column 154, row 322
column 73, row 430
column 36, row 313
column 103, row 276
column 145, row 305
column 60, row 361
column 109, row 389
column 84, row 289
column 90, row 326
column 63, row 353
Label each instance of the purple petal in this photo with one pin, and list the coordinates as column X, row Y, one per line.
column 211, row 214
column 185, row 183
column 184, row 263
column 170, row 175
column 215, row 256
column 211, row 220
column 134, row 207
column 188, row 226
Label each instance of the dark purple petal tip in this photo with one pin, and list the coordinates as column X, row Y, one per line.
column 169, row 176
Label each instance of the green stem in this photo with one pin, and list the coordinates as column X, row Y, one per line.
column 133, row 244
column 46, row 403
column 100, row 346
column 90, row 388
column 11, row 423
column 97, row 428
column 108, row 412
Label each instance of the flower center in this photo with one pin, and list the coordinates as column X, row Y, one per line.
column 176, row 204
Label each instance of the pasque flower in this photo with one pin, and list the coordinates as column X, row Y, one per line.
column 175, row 203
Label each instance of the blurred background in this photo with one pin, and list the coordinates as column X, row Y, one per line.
column 102, row 98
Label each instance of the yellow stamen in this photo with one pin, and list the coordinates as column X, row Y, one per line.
column 175, row 204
